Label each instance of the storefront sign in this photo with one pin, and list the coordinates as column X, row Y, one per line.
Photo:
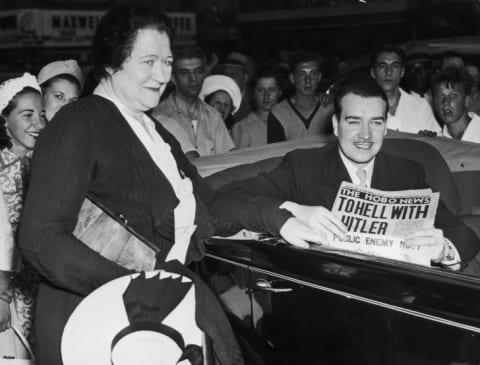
column 69, row 28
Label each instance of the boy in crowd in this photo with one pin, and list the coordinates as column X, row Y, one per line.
column 302, row 114
column 451, row 89
column 406, row 112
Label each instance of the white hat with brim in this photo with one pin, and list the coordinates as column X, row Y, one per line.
column 214, row 83
column 99, row 331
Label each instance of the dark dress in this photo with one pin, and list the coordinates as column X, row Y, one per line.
column 90, row 148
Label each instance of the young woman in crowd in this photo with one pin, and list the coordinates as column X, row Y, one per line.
column 22, row 119
column 252, row 130
column 222, row 93
column 61, row 83
column 106, row 147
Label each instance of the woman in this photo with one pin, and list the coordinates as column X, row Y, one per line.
column 22, row 118
column 252, row 130
column 61, row 83
column 107, row 147
column 7, row 265
column 222, row 93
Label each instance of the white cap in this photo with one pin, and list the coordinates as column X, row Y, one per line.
column 215, row 83
column 52, row 69
column 11, row 87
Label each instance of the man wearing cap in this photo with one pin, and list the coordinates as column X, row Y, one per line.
column 406, row 112
column 61, row 83
column 206, row 131
column 240, row 68
column 418, row 68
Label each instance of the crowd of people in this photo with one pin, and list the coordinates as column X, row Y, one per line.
column 128, row 145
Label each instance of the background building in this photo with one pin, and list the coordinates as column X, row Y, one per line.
column 33, row 32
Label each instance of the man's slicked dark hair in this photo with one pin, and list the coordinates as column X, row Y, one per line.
column 188, row 52
column 303, row 57
column 453, row 78
column 387, row 48
column 117, row 31
column 360, row 85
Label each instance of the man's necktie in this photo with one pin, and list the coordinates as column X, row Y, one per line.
column 362, row 175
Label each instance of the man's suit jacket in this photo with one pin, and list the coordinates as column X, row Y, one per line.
column 313, row 176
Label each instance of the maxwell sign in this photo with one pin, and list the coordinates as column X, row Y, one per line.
column 68, row 28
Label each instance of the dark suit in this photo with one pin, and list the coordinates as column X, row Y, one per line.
column 312, row 177
column 89, row 148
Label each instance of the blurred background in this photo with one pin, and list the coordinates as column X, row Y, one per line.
column 35, row 32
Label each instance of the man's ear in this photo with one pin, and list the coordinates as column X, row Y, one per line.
column 402, row 72
column 335, row 124
column 320, row 75
column 372, row 73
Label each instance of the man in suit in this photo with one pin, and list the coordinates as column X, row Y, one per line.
column 306, row 181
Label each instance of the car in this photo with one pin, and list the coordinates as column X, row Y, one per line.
column 289, row 305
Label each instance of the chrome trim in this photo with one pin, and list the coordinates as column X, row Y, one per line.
column 352, row 296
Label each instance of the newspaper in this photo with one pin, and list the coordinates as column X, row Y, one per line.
column 377, row 221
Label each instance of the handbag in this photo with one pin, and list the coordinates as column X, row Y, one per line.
column 111, row 236
column 14, row 347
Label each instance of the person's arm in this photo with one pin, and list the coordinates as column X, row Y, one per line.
column 223, row 141
column 238, row 136
column 450, row 241
column 7, row 264
column 279, row 188
column 275, row 131
column 62, row 168
column 7, row 243
column 5, row 299
column 430, row 120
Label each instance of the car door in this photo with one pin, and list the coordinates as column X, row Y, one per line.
column 318, row 306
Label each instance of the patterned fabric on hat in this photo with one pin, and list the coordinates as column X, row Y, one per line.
column 11, row 87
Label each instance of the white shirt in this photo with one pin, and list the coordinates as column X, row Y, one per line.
column 413, row 114
column 472, row 132
column 184, row 213
column 352, row 170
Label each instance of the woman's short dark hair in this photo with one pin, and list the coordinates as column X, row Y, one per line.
column 5, row 141
column 117, row 31
column 270, row 72
column 361, row 85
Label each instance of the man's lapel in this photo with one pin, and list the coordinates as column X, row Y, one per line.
column 333, row 174
column 381, row 178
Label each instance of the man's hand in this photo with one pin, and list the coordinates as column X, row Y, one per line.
column 427, row 133
column 298, row 233
column 325, row 98
column 4, row 316
column 318, row 218
column 431, row 237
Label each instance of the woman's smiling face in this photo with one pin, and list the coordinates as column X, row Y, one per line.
column 25, row 122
